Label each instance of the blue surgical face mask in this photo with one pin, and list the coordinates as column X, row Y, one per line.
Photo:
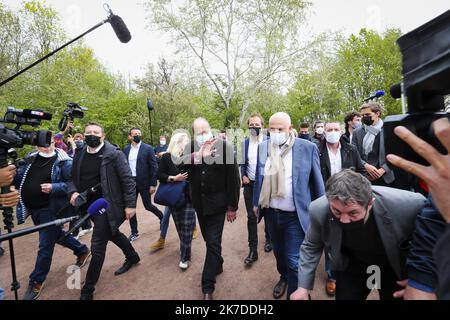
column 278, row 138
column 201, row 139
column 79, row 143
column 357, row 125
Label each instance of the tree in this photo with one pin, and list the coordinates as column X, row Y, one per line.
column 341, row 76
column 240, row 45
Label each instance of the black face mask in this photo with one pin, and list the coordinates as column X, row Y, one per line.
column 255, row 131
column 352, row 226
column 304, row 136
column 367, row 120
column 137, row 139
column 92, row 141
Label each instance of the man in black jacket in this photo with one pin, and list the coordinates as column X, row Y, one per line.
column 437, row 178
column 369, row 141
column 336, row 154
column 99, row 162
column 214, row 186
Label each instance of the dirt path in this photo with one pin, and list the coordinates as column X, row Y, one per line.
column 158, row 275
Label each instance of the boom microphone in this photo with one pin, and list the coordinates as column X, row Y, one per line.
column 95, row 209
column 120, row 28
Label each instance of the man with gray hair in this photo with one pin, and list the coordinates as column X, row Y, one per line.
column 214, row 184
column 366, row 229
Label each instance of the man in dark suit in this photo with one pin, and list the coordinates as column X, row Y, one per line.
column 369, row 141
column 336, row 155
column 214, row 185
column 143, row 165
column 248, row 169
column 366, row 234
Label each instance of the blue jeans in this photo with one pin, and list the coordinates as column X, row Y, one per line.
column 48, row 237
column 287, row 236
column 165, row 222
column 1, row 294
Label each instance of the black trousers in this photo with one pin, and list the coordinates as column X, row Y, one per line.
column 212, row 229
column 100, row 237
column 148, row 205
column 352, row 284
column 252, row 220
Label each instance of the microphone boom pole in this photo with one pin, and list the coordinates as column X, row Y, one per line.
column 117, row 24
column 23, row 232
column 52, row 53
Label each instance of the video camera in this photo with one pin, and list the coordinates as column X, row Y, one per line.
column 426, row 81
column 17, row 138
column 73, row 111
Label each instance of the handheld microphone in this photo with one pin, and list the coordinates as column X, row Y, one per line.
column 120, row 28
column 375, row 95
column 95, row 209
column 85, row 196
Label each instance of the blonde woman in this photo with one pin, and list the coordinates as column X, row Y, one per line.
column 184, row 217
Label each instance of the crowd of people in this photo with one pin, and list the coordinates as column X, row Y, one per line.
column 327, row 192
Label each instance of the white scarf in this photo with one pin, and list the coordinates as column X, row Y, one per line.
column 369, row 138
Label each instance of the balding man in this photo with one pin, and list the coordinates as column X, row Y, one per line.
column 287, row 179
column 214, row 183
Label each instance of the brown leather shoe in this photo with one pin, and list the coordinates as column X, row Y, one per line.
column 208, row 296
column 331, row 288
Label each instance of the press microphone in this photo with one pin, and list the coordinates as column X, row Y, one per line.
column 97, row 208
column 120, row 28
column 375, row 95
column 85, row 196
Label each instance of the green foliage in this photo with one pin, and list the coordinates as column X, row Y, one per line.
column 333, row 78
column 338, row 82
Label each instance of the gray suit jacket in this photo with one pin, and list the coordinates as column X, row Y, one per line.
column 357, row 140
column 395, row 213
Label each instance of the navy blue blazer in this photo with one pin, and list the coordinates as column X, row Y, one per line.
column 307, row 182
column 244, row 162
column 146, row 166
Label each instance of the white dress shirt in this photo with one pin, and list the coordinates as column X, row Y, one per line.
column 252, row 155
column 132, row 158
column 335, row 160
column 286, row 203
column 89, row 150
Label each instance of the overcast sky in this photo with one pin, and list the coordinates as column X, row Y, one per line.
column 348, row 16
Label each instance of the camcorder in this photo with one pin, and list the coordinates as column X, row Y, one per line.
column 426, row 82
column 16, row 137
column 72, row 112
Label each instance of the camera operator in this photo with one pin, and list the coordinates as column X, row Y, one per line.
column 43, row 192
column 437, row 176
